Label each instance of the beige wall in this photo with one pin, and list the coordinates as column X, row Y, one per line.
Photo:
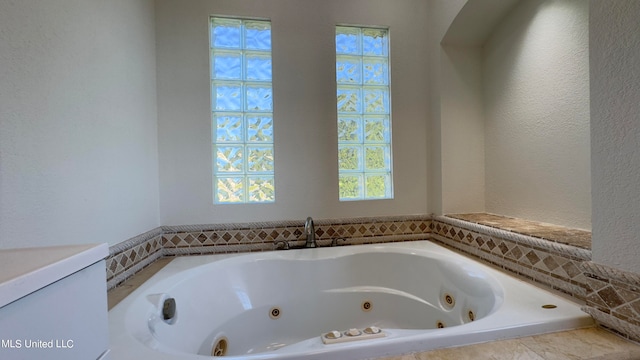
column 615, row 132
column 439, row 18
column 509, row 101
column 462, row 129
column 536, row 96
column 304, row 108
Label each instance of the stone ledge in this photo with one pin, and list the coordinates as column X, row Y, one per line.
column 535, row 229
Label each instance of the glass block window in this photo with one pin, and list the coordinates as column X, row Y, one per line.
column 364, row 113
column 242, row 111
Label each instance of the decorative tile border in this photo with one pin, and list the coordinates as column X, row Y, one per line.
column 216, row 239
column 548, row 263
column 613, row 298
column 128, row 257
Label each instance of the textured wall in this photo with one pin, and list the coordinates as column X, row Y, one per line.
column 439, row 17
column 78, row 132
column 462, row 130
column 615, row 132
column 536, row 88
column 304, row 108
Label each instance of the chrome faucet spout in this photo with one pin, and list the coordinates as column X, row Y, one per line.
column 310, row 232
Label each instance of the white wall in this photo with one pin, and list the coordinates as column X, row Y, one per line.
column 78, row 132
column 536, row 87
column 304, row 108
column 615, row 132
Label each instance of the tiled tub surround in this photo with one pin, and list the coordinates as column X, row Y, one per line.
column 558, row 258
column 225, row 238
column 548, row 262
column 545, row 261
column 613, row 298
column 133, row 255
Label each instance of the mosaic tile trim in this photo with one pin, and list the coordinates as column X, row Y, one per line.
column 294, row 223
column 136, row 267
column 613, row 298
column 553, row 265
column 269, row 246
column 134, row 241
column 131, row 256
column 212, row 239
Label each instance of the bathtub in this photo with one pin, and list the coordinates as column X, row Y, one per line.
column 364, row 301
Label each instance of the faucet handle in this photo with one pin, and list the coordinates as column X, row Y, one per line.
column 334, row 241
column 285, row 245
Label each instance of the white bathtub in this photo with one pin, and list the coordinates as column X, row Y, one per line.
column 411, row 288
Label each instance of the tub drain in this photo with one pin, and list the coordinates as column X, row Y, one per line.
column 220, row 347
column 440, row 325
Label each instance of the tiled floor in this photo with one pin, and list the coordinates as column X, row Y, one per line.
column 583, row 344
column 590, row 344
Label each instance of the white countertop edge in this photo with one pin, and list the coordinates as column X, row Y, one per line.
column 31, row 269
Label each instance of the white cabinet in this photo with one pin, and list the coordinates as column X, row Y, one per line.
column 53, row 303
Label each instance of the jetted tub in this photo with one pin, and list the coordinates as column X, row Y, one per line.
column 400, row 298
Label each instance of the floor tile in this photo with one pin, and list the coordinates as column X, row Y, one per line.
column 502, row 350
column 576, row 344
column 582, row 344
